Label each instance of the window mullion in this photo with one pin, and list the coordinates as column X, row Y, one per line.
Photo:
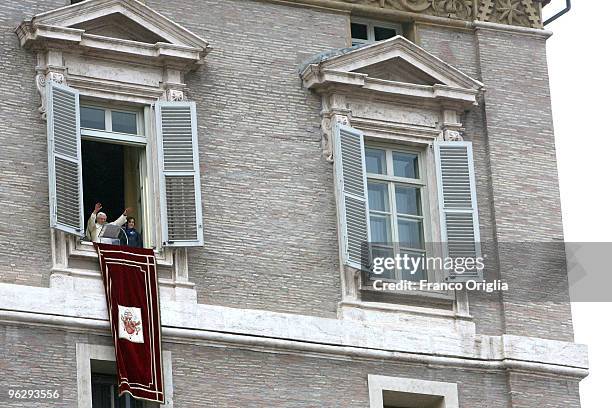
column 371, row 32
column 108, row 120
column 394, row 225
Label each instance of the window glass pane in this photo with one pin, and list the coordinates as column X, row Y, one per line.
column 359, row 31
column 383, row 253
column 124, row 122
column 378, row 196
column 405, row 165
column 410, row 232
column 375, row 161
column 382, row 33
column 380, row 228
column 408, row 200
column 92, row 118
column 416, row 266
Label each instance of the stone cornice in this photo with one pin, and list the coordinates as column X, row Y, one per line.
column 524, row 13
column 265, row 330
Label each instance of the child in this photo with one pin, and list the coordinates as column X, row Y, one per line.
column 133, row 237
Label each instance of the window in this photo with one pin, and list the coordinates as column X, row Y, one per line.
column 97, row 380
column 104, row 393
column 398, row 392
column 103, row 153
column 368, row 31
column 396, row 189
column 113, row 151
column 383, row 200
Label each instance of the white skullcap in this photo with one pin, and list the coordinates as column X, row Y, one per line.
column 100, row 213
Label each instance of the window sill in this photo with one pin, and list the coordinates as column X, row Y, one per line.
column 70, row 272
column 429, row 302
column 85, row 249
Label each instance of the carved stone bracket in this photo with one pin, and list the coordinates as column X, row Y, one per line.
column 42, row 79
column 451, row 126
column 173, row 85
column 327, row 140
column 173, row 95
column 334, row 111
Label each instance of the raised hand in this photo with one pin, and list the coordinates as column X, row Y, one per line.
column 127, row 211
column 97, row 208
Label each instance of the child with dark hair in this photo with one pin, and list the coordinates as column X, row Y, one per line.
column 134, row 239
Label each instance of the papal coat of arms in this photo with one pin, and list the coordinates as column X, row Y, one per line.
column 130, row 324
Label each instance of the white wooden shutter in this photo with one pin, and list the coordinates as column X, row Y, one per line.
column 350, row 172
column 458, row 208
column 181, row 203
column 64, row 144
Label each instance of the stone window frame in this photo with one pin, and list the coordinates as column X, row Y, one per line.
column 86, row 352
column 442, row 394
column 348, row 95
column 149, row 71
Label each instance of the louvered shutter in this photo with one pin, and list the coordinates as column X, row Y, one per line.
column 181, row 203
column 349, row 163
column 458, row 208
column 64, row 145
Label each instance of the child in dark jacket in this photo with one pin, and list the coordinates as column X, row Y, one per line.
column 134, row 239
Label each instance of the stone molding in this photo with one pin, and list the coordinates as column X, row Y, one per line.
column 266, row 330
column 146, row 71
column 521, row 13
column 113, row 67
column 432, row 391
column 86, row 352
column 337, row 80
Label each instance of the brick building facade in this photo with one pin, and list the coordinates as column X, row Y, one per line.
column 260, row 304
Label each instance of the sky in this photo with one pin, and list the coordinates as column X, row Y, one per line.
column 579, row 58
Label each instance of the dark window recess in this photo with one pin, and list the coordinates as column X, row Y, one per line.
column 359, row 31
column 103, row 178
column 104, row 393
column 382, row 33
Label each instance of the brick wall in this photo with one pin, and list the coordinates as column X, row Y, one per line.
column 516, row 175
column 269, row 211
column 25, row 248
column 208, row 376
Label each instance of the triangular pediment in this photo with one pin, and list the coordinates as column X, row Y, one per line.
column 399, row 60
column 398, row 70
column 119, row 19
column 117, row 25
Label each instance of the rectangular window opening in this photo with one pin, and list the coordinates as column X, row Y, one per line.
column 396, row 188
column 104, row 388
column 111, row 176
column 365, row 31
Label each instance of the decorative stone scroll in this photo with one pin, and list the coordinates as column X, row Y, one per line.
column 526, row 13
column 41, row 85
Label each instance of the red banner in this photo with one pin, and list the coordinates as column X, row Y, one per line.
column 130, row 282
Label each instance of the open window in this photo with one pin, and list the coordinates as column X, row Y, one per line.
column 99, row 154
column 113, row 153
column 111, row 78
